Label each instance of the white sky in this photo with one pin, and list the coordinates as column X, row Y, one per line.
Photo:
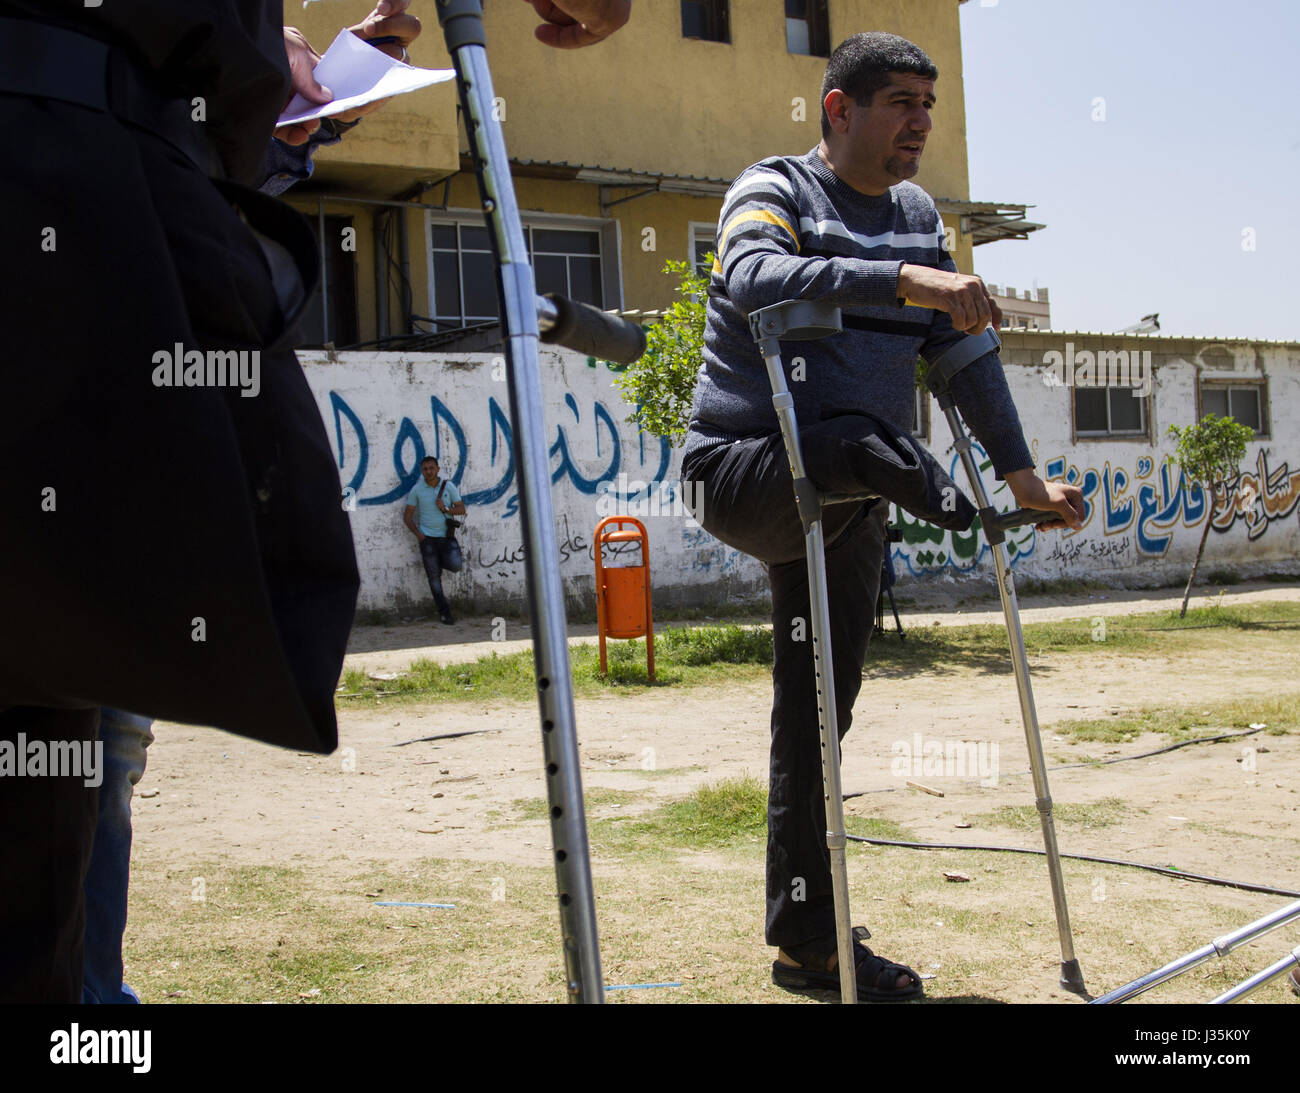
column 1145, row 210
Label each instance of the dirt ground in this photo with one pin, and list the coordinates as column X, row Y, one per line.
column 389, row 796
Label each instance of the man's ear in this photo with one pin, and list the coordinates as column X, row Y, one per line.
column 837, row 105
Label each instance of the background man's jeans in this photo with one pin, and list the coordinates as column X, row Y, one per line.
column 440, row 552
column 125, row 737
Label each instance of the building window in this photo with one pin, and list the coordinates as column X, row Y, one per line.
column 330, row 315
column 706, row 19
column 567, row 258
column 567, row 261
column 464, row 275
column 1109, row 411
column 807, row 28
column 1243, row 403
column 703, row 241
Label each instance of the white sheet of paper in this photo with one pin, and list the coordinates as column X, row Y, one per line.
column 358, row 74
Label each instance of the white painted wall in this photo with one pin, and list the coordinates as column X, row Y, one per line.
column 385, row 411
column 1144, row 524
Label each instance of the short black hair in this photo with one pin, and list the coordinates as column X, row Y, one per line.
column 862, row 65
column 429, row 459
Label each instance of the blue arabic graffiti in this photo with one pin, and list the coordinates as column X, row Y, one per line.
column 1158, row 507
column 353, row 449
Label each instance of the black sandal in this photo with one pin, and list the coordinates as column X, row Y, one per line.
column 872, row 971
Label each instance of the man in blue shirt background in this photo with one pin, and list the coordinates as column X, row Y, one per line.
column 427, row 509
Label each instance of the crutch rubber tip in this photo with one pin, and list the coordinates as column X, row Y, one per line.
column 1072, row 977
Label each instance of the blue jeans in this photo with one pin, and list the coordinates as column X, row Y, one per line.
column 125, row 737
column 439, row 553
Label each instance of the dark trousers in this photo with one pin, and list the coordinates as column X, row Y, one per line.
column 48, row 827
column 746, row 499
column 439, row 553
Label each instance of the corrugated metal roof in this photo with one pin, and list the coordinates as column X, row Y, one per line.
column 1215, row 338
column 989, row 221
column 614, row 176
column 631, row 172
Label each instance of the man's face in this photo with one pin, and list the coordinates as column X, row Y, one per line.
column 430, row 470
column 886, row 138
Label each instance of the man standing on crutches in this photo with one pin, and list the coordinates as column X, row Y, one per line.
column 840, row 226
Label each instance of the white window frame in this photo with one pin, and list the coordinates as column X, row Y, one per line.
column 698, row 230
column 609, row 234
column 1109, row 433
column 1226, row 383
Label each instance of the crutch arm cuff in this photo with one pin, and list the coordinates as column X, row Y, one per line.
column 967, row 351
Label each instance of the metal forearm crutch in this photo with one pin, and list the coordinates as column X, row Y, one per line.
column 995, row 526
column 1220, row 946
column 803, row 320
column 526, row 317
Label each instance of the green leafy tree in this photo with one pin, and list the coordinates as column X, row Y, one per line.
column 661, row 385
column 1210, row 452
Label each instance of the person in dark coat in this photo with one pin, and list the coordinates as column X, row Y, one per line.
column 175, row 541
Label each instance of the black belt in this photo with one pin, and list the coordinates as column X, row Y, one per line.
column 907, row 328
column 47, row 62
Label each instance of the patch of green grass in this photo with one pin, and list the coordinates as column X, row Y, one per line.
column 686, row 656
column 717, row 814
column 1103, row 813
column 594, row 798
column 723, row 814
column 984, row 648
column 1281, row 715
column 716, row 645
column 874, row 827
column 710, row 655
column 530, row 808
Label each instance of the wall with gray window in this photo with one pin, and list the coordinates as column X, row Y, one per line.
column 384, row 411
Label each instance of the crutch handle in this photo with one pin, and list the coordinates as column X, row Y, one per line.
column 587, row 329
column 1018, row 518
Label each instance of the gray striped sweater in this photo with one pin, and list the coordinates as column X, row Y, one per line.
column 790, row 228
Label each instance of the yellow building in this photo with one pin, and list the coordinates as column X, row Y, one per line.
column 621, row 154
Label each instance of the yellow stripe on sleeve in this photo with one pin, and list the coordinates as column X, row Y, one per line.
column 762, row 215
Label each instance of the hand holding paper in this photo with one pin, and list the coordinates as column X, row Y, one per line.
column 358, row 74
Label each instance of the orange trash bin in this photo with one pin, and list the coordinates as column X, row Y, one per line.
column 623, row 592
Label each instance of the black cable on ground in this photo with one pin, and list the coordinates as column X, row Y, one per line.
column 1093, row 762
column 1148, row 754
column 442, row 736
column 1264, row 888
